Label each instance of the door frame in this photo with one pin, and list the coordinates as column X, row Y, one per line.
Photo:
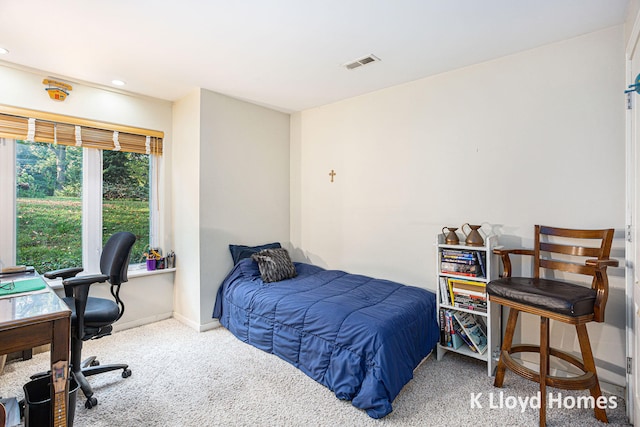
column 632, row 217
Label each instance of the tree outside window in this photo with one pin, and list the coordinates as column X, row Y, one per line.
column 49, row 182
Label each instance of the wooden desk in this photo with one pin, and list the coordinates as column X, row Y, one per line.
column 36, row 318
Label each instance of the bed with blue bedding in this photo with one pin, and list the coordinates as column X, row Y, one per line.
column 360, row 337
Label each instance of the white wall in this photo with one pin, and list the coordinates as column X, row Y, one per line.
column 244, row 184
column 632, row 12
column 532, row 138
column 231, row 187
column 24, row 89
column 185, row 183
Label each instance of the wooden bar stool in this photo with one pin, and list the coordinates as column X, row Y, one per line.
column 556, row 249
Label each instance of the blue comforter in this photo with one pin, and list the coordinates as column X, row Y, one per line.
column 360, row 337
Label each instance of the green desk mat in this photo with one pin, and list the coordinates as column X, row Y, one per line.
column 20, row 286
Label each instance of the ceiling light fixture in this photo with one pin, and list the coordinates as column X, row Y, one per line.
column 118, row 82
column 3, row 51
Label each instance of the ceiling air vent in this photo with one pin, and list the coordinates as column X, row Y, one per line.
column 360, row 62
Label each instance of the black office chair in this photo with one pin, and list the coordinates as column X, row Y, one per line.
column 91, row 317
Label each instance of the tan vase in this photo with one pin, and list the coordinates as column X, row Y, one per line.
column 473, row 237
column 450, row 238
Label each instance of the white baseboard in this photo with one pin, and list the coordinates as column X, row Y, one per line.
column 215, row 323
column 193, row 325
column 179, row 317
column 121, row 326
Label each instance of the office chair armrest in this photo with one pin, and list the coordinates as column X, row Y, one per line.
column 78, row 288
column 63, row 273
column 85, row 280
column 506, row 260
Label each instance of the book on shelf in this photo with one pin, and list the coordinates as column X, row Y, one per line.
column 456, row 339
column 456, row 268
column 460, row 261
column 459, row 253
column 462, row 334
column 444, row 291
column 463, row 262
column 482, row 263
column 451, row 333
column 446, row 339
column 443, row 334
column 467, row 294
column 469, row 285
column 469, row 306
column 471, row 299
column 474, row 330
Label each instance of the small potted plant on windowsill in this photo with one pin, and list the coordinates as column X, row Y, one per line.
column 152, row 258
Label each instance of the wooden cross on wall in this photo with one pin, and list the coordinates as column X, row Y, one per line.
column 332, row 174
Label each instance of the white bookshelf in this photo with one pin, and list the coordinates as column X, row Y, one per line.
column 491, row 317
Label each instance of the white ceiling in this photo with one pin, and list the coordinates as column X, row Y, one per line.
column 286, row 54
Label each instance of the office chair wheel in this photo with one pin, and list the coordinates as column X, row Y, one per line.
column 126, row 373
column 91, row 402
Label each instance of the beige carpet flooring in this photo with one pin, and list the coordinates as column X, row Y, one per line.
column 185, row 378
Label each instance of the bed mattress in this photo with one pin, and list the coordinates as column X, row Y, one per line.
column 361, row 337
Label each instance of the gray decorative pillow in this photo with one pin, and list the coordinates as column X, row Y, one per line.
column 274, row 265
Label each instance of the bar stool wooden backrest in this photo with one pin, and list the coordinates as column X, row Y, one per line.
column 584, row 252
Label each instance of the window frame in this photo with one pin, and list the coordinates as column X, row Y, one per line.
column 91, row 205
column 8, row 202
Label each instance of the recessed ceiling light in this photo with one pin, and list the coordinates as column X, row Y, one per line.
column 118, row 82
column 3, row 51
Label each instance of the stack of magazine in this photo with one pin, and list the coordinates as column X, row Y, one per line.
column 459, row 329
